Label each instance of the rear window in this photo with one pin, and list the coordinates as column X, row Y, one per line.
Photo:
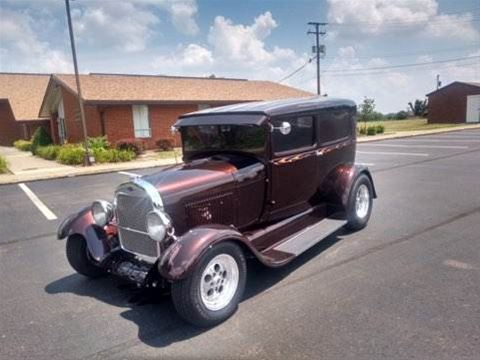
column 302, row 134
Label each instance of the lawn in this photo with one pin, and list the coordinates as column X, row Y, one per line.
column 393, row 126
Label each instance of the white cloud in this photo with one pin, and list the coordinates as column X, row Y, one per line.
column 376, row 17
column 183, row 15
column 235, row 50
column 114, row 24
column 22, row 50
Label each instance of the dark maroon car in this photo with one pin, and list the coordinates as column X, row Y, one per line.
column 265, row 180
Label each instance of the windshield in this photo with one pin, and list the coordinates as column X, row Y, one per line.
column 244, row 138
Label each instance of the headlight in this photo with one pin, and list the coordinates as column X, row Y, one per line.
column 102, row 212
column 158, row 224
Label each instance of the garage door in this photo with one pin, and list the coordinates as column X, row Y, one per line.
column 473, row 109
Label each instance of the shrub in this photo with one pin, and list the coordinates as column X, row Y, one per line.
column 164, row 144
column 362, row 130
column 380, row 129
column 113, row 155
column 49, row 152
column 99, row 142
column 135, row 145
column 371, row 130
column 40, row 138
column 71, row 154
column 3, row 165
column 23, row 145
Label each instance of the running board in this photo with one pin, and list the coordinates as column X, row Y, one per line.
column 306, row 238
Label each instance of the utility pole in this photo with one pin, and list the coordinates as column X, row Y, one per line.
column 438, row 82
column 319, row 31
column 86, row 161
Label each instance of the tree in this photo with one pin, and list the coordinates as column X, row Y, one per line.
column 419, row 108
column 401, row 115
column 367, row 110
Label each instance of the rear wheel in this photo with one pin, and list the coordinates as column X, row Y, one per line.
column 360, row 203
column 211, row 294
column 79, row 258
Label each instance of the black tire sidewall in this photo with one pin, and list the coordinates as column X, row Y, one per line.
column 199, row 314
column 354, row 222
column 77, row 256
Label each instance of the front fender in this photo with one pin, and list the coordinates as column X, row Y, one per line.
column 181, row 257
column 339, row 182
column 82, row 223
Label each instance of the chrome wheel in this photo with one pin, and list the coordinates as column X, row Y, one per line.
column 362, row 201
column 219, row 282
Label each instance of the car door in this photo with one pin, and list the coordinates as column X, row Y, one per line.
column 293, row 165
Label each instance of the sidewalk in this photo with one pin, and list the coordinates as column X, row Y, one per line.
column 26, row 167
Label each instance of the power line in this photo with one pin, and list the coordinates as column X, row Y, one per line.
column 380, row 72
column 296, row 70
column 402, row 65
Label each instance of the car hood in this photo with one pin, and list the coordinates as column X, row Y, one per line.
column 201, row 176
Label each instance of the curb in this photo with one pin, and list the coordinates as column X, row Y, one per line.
column 407, row 134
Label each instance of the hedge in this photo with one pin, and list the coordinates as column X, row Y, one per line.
column 49, row 152
column 113, row 155
column 23, row 145
column 3, row 165
column 71, row 154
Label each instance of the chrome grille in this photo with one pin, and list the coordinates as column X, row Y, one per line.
column 132, row 206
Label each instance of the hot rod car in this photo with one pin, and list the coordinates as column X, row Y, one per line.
column 265, row 179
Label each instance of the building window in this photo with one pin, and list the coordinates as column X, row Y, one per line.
column 141, row 123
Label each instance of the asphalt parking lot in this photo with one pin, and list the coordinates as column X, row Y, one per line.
column 408, row 286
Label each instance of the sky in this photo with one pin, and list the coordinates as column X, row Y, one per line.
column 370, row 44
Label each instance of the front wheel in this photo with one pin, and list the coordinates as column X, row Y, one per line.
column 211, row 293
column 79, row 258
column 360, row 201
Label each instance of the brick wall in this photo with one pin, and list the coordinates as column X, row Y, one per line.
column 28, row 128
column 9, row 129
column 449, row 105
column 73, row 121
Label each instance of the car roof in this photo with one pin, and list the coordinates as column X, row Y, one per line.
column 255, row 112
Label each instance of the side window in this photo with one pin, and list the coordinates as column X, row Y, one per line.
column 302, row 134
column 333, row 126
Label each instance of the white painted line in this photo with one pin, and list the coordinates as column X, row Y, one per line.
column 37, row 202
column 436, row 140
column 419, row 146
column 129, row 174
column 365, row 164
column 391, row 153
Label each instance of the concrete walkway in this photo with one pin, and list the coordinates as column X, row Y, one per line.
column 24, row 163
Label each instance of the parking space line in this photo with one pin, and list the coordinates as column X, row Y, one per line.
column 419, row 146
column 129, row 174
column 37, row 202
column 365, row 164
column 436, row 140
column 391, row 153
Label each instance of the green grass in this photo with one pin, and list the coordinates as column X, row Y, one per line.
column 394, row 126
column 3, row 165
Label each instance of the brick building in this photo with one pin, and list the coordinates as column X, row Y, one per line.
column 458, row 102
column 20, row 98
column 142, row 106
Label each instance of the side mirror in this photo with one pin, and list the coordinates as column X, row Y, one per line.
column 285, row 128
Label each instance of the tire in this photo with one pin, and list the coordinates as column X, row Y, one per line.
column 357, row 212
column 79, row 258
column 190, row 298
